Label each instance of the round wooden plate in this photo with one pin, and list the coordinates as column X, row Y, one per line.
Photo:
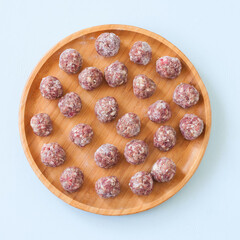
column 187, row 155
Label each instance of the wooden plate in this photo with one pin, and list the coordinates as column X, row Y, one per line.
column 187, row 155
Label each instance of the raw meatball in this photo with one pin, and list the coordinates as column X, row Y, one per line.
column 129, row 125
column 191, row 126
column 107, row 187
column 90, row 78
column 159, row 112
column 70, row 61
column 163, row 170
column 168, row 67
column 70, row 104
column 141, row 53
column 141, row 183
column 143, row 87
column 136, row 151
column 81, row 134
column 106, row 109
column 51, row 88
column 107, row 44
column 185, row 95
column 41, row 124
column 72, row 179
column 106, row 156
column 165, row 138
column 116, row 74
column 53, row 155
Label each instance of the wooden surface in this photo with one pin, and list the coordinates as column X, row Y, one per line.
column 187, row 155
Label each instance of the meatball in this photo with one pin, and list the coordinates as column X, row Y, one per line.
column 51, row 88
column 129, row 125
column 143, row 87
column 70, row 61
column 107, row 44
column 52, row 155
column 70, row 104
column 141, row 183
column 41, row 124
column 81, row 134
column 107, row 156
column 116, row 74
column 159, row 112
column 185, row 95
column 90, row 78
column 191, row 126
column 168, row 67
column 107, row 187
column 72, row 179
column 106, row 109
column 136, row 151
column 163, row 170
column 140, row 53
column 165, row 138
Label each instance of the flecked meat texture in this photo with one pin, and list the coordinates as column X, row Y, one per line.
column 140, row 53
column 141, row 183
column 70, row 104
column 163, row 170
column 165, row 138
column 106, row 109
column 90, row 78
column 116, row 74
column 143, row 87
column 52, row 155
column 168, row 67
column 107, row 187
column 41, row 124
column 159, row 112
column 81, row 134
column 72, row 179
column 51, row 88
column 70, row 61
column 136, row 152
column 191, row 126
column 107, row 44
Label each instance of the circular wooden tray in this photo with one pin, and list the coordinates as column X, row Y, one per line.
column 187, row 155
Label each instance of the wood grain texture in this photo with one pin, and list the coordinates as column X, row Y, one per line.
column 187, row 155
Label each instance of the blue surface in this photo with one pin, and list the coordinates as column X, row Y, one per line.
column 208, row 206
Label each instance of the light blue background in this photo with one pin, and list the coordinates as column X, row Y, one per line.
column 208, row 33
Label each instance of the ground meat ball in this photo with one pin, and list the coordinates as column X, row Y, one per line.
column 107, row 156
column 70, row 61
column 141, row 53
column 107, row 44
column 159, row 112
column 129, row 125
column 116, row 74
column 70, row 104
column 163, row 170
column 72, row 179
column 90, row 78
column 168, row 67
column 164, row 138
column 106, row 109
column 143, row 87
column 81, row 134
column 191, row 126
column 136, row 151
column 107, row 187
column 51, row 88
column 41, row 124
column 141, row 183
column 53, row 155
column 185, row 95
